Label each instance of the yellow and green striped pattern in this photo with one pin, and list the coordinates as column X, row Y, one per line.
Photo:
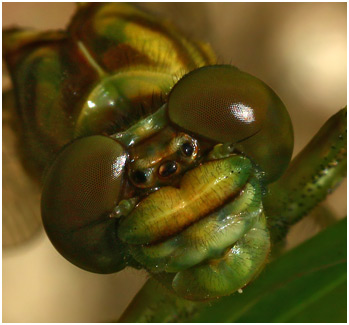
column 113, row 63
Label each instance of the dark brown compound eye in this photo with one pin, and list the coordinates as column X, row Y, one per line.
column 81, row 188
column 225, row 105
column 219, row 103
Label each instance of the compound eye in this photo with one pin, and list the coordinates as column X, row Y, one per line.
column 219, row 103
column 81, row 188
column 225, row 105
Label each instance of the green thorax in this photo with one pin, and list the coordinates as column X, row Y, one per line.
column 113, row 65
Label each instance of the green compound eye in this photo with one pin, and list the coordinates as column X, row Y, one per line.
column 81, row 188
column 226, row 105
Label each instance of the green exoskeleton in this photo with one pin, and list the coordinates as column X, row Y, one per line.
column 153, row 156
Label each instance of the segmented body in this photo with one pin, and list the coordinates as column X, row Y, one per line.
column 99, row 76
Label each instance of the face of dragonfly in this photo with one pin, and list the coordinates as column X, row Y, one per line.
column 200, row 22
column 266, row 47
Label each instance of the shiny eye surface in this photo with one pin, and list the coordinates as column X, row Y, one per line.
column 81, row 188
column 211, row 101
column 139, row 177
column 168, row 168
column 225, row 105
column 187, row 149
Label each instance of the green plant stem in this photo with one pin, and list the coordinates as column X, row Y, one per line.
column 154, row 304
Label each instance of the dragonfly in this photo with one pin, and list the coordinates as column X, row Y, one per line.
column 132, row 221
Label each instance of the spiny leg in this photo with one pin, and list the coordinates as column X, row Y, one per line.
column 311, row 176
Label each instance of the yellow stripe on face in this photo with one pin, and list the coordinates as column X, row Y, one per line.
column 206, row 239
column 169, row 210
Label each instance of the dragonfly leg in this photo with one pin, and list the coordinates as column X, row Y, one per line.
column 314, row 173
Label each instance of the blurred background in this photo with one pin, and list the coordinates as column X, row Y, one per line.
column 299, row 49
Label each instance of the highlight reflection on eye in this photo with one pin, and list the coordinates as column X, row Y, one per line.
column 242, row 112
column 118, row 165
column 187, row 149
column 91, row 104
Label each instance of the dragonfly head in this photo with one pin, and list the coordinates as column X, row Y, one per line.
column 193, row 167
